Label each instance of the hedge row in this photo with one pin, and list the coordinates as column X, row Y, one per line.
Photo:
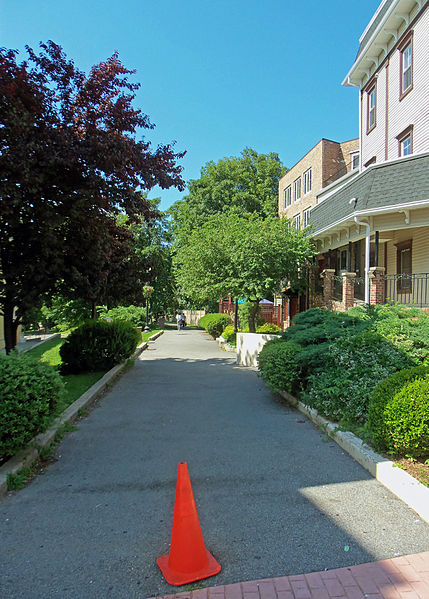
column 214, row 324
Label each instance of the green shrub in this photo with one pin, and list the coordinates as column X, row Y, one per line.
column 278, row 364
column 134, row 314
column 98, row 345
column 268, row 328
column 214, row 324
column 406, row 419
column 319, row 325
column 381, row 397
column 229, row 334
column 354, row 366
column 29, row 393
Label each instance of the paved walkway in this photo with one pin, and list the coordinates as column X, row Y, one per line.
column 275, row 496
column 405, row 577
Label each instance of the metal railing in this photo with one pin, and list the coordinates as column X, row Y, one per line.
column 410, row 290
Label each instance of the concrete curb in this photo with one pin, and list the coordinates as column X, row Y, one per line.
column 402, row 484
column 31, row 453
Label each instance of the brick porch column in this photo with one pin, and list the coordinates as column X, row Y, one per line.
column 376, row 285
column 328, row 286
column 348, row 290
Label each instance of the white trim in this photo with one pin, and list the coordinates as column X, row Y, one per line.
column 372, row 212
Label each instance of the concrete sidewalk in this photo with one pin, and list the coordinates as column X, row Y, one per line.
column 275, row 496
column 405, row 577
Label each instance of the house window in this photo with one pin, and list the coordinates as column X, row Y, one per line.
column 404, row 266
column 405, row 142
column 372, row 101
column 287, row 197
column 297, row 221
column 307, row 181
column 297, row 189
column 306, row 216
column 354, row 161
column 406, row 66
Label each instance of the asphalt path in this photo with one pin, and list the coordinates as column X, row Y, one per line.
column 274, row 495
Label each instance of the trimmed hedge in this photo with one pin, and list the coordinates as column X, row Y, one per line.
column 268, row 328
column 381, row 422
column 278, row 364
column 214, row 324
column 29, row 393
column 98, row 345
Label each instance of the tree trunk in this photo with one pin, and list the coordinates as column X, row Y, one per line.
column 252, row 316
column 10, row 327
column 93, row 310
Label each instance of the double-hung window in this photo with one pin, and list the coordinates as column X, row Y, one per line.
column 371, row 108
column 404, row 266
column 354, row 160
column 287, row 197
column 297, row 221
column 406, row 66
column 297, row 189
column 306, row 216
column 405, row 142
column 307, row 181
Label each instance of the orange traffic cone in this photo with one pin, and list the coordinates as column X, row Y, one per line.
column 188, row 559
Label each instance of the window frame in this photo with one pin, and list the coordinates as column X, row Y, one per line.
column 306, row 217
column 354, row 155
column 406, row 42
column 297, row 221
column 371, row 88
column 287, row 196
column 307, row 181
column 295, row 198
column 408, row 132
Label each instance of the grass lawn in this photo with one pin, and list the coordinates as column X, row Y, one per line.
column 75, row 384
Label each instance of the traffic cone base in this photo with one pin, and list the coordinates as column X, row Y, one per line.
column 178, row 578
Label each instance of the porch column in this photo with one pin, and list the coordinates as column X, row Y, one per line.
column 348, row 290
column 376, row 285
column 328, row 286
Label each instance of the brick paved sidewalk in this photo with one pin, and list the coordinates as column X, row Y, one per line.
column 405, row 577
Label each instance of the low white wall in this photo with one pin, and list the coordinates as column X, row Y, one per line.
column 193, row 316
column 248, row 347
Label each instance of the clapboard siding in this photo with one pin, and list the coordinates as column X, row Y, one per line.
column 413, row 109
column 420, row 249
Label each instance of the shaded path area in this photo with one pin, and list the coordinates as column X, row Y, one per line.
column 275, row 496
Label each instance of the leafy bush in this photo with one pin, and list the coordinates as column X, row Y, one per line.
column 29, row 393
column 381, row 397
column 98, row 345
column 214, row 324
column 354, row 366
column 64, row 314
column 268, row 328
column 406, row 419
column 229, row 334
column 244, row 310
column 134, row 314
column 278, row 364
column 319, row 325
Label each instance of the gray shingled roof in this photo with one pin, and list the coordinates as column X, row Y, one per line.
column 386, row 184
column 374, row 26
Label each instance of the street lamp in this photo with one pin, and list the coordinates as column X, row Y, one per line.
column 147, row 292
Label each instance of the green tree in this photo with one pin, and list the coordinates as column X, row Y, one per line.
column 247, row 184
column 242, row 256
column 72, row 156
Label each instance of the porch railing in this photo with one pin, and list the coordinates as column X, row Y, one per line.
column 410, row 290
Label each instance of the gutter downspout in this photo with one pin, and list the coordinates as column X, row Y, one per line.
column 367, row 254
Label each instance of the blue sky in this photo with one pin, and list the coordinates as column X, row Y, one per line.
column 216, row 75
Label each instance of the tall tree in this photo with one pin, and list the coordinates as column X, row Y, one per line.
column 69, row 158
column 242, row 256
column 247, row 183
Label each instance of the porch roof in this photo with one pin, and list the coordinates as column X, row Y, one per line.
column 399, row 185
